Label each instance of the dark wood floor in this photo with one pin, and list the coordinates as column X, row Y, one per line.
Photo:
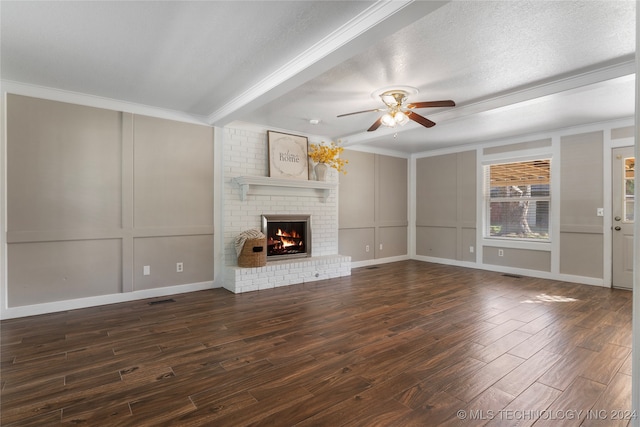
column 402, row 344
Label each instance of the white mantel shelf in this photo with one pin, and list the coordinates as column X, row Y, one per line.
column 281, row 186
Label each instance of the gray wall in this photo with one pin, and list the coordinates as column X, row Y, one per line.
column 581, row 194
column 94, row 194
column 446, row 206
column 373, row 206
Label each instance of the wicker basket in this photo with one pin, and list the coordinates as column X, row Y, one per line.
column 254, row 253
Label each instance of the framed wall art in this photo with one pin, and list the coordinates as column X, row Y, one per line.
column 288, row 156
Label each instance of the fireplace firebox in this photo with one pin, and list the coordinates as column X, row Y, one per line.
column 288, row 236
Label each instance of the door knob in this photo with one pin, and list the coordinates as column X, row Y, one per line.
column 617, row 218
column 617, row 228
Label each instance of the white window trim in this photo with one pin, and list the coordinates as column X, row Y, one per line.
column 514, row 157
column 497, row 242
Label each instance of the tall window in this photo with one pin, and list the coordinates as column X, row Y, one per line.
column 629, row 185
column 518, row 200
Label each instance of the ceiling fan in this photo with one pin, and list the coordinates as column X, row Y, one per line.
column 399, row 113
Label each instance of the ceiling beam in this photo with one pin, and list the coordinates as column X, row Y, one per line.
column 378, row 21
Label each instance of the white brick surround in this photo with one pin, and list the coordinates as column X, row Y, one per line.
column 284, row 273
column 245, row 154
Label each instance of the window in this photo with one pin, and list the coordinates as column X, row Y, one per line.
column 629, row 188
column 518, row 200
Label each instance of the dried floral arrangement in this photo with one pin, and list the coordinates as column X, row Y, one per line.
column 329, row 155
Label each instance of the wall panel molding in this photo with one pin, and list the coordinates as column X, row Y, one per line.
column 72, row 201
column 373, row 207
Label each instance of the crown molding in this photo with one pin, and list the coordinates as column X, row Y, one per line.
column 51, row 94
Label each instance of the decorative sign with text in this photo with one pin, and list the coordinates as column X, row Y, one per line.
column 288, row 156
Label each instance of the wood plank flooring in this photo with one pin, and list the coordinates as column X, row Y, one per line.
column 401, row 344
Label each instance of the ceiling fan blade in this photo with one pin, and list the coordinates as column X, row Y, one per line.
column 358, row 112
column 426, row 104
column 376, row 125
column 419, row 119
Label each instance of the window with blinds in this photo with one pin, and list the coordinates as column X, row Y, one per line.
column 518, row 200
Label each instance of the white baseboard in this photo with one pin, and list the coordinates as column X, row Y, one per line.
column 369, row 262
column 57, row 306
column 591, row 281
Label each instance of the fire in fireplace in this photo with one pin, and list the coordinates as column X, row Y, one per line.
column 288, row 236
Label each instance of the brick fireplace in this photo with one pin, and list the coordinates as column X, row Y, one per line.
column 250, row 195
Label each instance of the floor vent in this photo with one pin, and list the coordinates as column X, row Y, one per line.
column 515, row 276
column 372, row 267
column 162, row 301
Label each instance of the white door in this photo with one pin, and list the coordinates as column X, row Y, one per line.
column 623, row 216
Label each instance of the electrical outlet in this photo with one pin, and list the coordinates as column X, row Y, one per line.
column 600, row 212
column 366, row 248
column 146, row 270
column 471, row 249
column 500, row 252
column 380, row 246
column 179, row 267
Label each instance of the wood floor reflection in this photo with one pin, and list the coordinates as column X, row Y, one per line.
column 401, row 344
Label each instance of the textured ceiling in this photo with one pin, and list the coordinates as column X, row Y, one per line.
column 186, row 56
column 513, row 67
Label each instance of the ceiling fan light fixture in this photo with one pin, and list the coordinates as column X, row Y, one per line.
column 400, row 118
column 388, row 94
column 391, row 98
column 397, row 112
column 388, row 120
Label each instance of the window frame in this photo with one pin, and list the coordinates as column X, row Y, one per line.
column 485, row 218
